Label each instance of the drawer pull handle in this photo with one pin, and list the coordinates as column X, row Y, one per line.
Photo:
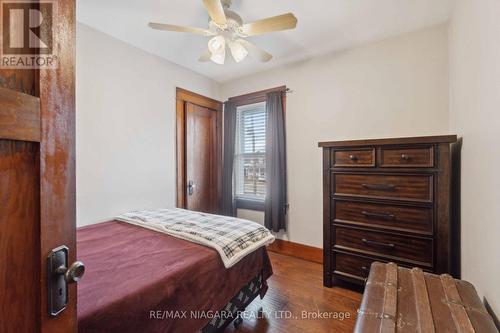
column 379, row 187
column 405, row 157
column 365, row 271
column 353, row 158
column 374, row 243
column 385, row 216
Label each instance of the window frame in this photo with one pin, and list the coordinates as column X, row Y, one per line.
column 247, row 99
column 241, row 156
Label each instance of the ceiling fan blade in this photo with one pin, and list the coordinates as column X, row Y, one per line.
column 215, row 11
column 205, row 56
column 255, row 51
column 178, row 28
column 270, row 24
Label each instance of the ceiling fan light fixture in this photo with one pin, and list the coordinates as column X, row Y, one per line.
column 218, row 58
column 216, row 44
column 217, row 47
column 238, row 51
column 228, row 29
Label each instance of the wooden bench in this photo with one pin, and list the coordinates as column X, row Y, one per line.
column 398, row 299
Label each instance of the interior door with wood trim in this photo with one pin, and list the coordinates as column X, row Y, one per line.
column 201, row 158
column 37, row 189
column 199, row 152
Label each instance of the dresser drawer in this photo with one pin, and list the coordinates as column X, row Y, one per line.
column 401, row 218
column 357, row 266
column 395, row 187
column 404, row 248
column 354, row 158
column 407, row 157
column 354, row 266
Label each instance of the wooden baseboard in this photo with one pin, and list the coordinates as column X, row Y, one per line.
column 297, row 250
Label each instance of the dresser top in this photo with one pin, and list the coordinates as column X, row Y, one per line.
column 390, row 141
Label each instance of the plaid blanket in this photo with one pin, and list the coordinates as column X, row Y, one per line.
column 232, row 237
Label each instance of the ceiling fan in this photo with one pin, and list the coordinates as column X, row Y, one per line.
column 227, row 30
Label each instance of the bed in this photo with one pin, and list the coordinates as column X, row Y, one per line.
column 141, row 280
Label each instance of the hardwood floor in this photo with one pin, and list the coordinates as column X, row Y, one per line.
column 296, row 288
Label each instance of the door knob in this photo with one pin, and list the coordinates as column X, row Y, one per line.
column 59, row 275
column 191, row 187
column 72, row 274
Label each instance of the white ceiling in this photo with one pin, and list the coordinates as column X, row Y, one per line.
column 323, row 26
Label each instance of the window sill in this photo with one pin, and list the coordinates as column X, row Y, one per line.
column 250, row 204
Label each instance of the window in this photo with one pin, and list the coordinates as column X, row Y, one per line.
column 250, row 153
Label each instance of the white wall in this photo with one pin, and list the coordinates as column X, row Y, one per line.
column 395, row 87
column 474, row 114
column 125, row 126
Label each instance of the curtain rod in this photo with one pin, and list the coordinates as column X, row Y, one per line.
column 256, row 96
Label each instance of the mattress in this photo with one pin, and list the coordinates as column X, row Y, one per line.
column 139, row 280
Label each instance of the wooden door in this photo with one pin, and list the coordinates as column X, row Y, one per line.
column 201, row 158
column 37, row 184
column 199, row 152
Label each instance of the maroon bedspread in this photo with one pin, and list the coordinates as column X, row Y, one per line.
column 132, row 272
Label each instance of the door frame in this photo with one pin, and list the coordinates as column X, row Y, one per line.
column 184, row 96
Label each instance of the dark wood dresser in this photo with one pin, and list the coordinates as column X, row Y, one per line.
column 386, row 200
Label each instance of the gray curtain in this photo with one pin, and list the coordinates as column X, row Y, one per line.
column 276, row 195
column 228, row 207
